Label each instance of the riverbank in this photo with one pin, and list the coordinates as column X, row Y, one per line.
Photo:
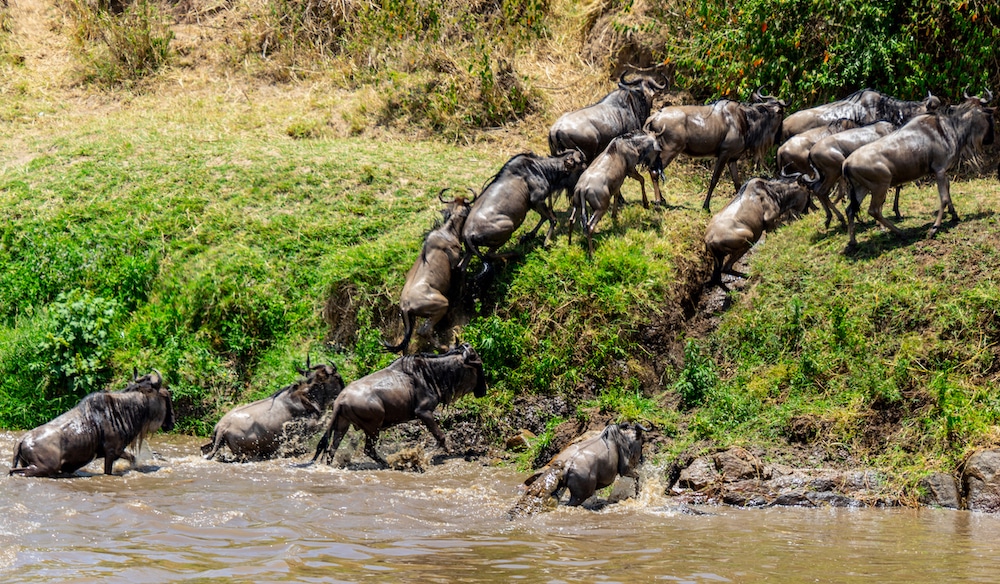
column 220, row 225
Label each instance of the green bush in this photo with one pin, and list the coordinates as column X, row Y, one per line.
column 810, row 51
column 78, row 343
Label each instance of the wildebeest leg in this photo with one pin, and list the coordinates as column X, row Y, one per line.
column 436, row 309
column 338, row 428
column 642, row 186
column 716, row 173
column 875, row 210
column 733, row 258
column 655, row 177
column 407, row 332
column 823, row 194
column 895, row 204
column 109, row 462
column 592, row 225
column 667, row 156
column 944, row 194
column 427, row 417
column 370, row 441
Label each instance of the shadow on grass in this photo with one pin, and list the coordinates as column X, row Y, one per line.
column 873, row 241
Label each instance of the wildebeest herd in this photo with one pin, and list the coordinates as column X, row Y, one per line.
column 867, row 143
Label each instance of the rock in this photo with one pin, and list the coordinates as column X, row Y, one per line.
column 520, row 441
column 793, row 499
column 624, row 488
column 737, row 464
column 981, row 481
column 939, row 490
column 826, row 498
column 699, row 474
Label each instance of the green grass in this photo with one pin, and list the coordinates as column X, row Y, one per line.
column 220, row 239
column 891, row 355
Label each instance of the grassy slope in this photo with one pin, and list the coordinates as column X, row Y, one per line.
column 223, row 240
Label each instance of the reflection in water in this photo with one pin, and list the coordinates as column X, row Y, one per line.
column 183, row 518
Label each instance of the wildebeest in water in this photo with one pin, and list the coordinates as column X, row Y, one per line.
column 102, row 425
column 264, row 428
column 410, row 388
column 589, row 463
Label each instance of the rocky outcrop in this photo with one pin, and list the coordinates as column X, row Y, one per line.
column 737, row 477
column 940, row 490
column 981, row 481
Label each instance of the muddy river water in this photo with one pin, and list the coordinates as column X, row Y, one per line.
column 180, row 518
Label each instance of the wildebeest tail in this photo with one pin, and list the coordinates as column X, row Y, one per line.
column 539, row 488
column 17, row 458
column 210, row 449
column 324, row 441
column 407, row 333
column 853, row 205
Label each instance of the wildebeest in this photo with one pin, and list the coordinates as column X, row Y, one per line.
column 726, row 130
column 865, row 106
column 793, row 155
column 525, row 182
column 927, row 144
column 258, row 430
column 592, row 128
column 600, row 184
column 757, row 207
column 409, row 388
column 827, row 156
column 428, row 283
column 102, row 425
column 589, row 463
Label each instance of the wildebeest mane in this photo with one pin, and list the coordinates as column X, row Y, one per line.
column 523, row 165
column 758, row 137
column 893, row 110
column 618, row 142
column 440, row 373
column 123, row 413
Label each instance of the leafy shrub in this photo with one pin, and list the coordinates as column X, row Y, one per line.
column 78, row 343
column 810, row 51
column 697, row 378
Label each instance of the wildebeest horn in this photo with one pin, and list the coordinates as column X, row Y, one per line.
column 756, row 95
column 474, row 195
column 308, row 367
column 441, row 193
column 158, row 380
column 135, row 373
column 988, row 98
column 660, row 86
column 622, row 81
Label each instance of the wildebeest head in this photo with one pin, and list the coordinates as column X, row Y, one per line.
column 474, row 362
column 765, row 114
column 161, row 411
column 319, row 386
column 457, row 209
column 643, row 85
column 980, row 120
column 628, row 438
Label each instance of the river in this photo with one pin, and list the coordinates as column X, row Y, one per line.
column 181, row 518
